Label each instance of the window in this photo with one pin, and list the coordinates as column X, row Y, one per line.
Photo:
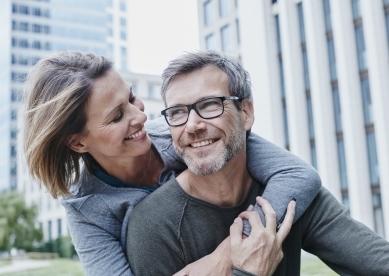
column 286, row 126
column 14, row 8
column 123, row 35
column 14, row 25
column 36, row 28
column 306, row 70
column 122, row 6
column 36, row 12
column 36, row 45
column 361, row 50
column 372, row 157
column 223, row 8
column 301, row 22
column 123, row 22
column 46, row 29
column 14, row 42
column 337, row 110
column 14, row 114
column 14, row 133
column 226, row 38
column 49, row 230
column 237, row 30
column 34, row 60
column 16, row 95
column 124, row 51
column 208, row 13
column 23, row 26
column 313, row 156
column 279, row 47
column 59, row 227
column 356, row 9
column 331, row 57
column 13, row 151
column 366, row 99
column 48, row 46
column 23, row 43
column 387, row 24
column 110, row 32
column 378, row 215
column 342, row 164
column 23, row 60
column 13, row 59
column 310, row 119
column 24, row 9
column 14, row 169
column 210, row 42
column 327, row 15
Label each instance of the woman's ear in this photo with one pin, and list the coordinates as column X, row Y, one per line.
column 248, row 113
column 77, row 143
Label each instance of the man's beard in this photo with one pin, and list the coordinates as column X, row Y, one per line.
column 202, row 166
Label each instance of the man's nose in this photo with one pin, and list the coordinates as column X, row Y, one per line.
column 195, row 122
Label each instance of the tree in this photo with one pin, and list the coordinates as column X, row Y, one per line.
column 17, row 223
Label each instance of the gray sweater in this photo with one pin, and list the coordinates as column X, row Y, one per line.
column 98, row 212
column 171, row 229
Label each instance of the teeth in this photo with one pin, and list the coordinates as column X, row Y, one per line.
column 137, row 134
column 202, row 143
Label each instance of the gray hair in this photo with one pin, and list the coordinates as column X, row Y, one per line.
column 56, row 94
column 239, row 79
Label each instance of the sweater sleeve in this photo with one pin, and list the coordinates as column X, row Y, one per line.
column 285, row 175
column 344, row 244
column 99, row 251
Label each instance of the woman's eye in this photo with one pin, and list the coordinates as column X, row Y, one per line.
column 118, row 118
column 132, row 99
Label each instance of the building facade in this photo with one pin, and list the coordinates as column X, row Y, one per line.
column 319, row 73
column 32, row 29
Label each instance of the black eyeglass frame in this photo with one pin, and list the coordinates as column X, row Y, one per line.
column 193, row 106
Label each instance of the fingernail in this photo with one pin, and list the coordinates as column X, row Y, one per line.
column 250, row 208
column 238, row 219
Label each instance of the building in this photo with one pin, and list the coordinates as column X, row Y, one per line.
column 32, row 29
column 319, row 73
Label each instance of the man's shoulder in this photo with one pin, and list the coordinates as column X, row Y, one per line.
column 164, row 204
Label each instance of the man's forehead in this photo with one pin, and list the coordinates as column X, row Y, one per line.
column 207, row 81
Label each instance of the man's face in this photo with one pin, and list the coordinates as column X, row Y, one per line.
column 206, row 145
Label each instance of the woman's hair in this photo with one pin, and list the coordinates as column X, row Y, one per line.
column 56, row 95
column 239, row 79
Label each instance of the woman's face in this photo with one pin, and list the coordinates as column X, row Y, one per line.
column 115, row 122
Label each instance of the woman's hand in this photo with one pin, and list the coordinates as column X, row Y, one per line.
column 216, row 263
column 261, row 252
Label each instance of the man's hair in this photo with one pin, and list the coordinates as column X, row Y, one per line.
column 239, row 79
column 56, row 95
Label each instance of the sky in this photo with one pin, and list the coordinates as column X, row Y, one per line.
column 159, row 31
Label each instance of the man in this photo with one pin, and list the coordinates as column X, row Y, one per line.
column 205, row 199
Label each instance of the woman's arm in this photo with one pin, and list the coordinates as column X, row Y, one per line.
column 99, row 251
column 286, row 177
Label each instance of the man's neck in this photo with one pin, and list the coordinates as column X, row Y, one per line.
column 227, row 187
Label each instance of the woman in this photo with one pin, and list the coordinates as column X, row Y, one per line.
column 86, row 139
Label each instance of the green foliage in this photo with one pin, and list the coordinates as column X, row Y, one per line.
column 62, row 245
column 17, row 223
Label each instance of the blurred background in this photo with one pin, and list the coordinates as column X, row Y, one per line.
column 319, row 72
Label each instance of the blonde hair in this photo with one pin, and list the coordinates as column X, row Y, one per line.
column 56, row 94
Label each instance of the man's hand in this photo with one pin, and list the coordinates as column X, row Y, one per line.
column 216, row 263
column 261, row 252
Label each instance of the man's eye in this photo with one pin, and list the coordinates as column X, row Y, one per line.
column 132, row 98
column 177, row 112
column 209, row 104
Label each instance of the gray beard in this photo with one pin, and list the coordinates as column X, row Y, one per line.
column 206, row 167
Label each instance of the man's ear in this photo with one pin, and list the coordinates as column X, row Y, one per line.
column 76, row 142
column 248, row 113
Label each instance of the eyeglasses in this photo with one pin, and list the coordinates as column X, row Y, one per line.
column 207, row 108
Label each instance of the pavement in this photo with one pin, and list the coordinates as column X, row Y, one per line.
column 19, row 265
